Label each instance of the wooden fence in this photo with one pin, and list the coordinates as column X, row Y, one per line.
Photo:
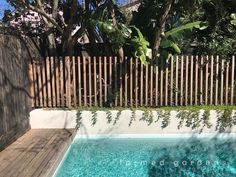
column 108, row 81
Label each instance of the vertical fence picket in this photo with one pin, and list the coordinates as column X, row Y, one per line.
column 146, row 86
column 186, row 81
column 35, row 84
column 31, row 78
column 217, row 80
column 126, row 82
column 171, row 80
column 156, row 85
column 227, row 83
column 95, row 80
column 176, row 81
column 121, row 82
column 151, row 84
column 68, row 83
column 44, row 84
column 90, row 81
column 136, row 83
column 79, row 81
column 222, row 83
column 110, row 81
column 53, row 81
column 232, row 80
column 206, row 81
column 161, row 84
column 40, row 85
column 105, row 79
column 191, row 81
column 57, row 82
column 201, row 80
column 115, row 74
column 74, row 82
column 196, row 81
column 166, row 82
column 211, row 84
column 181, row 80
column 62, row 83
column 131, row 82
column 100, row 81
column 141, row 85
column 49, row 98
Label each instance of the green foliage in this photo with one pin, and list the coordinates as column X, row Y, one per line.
column 78, row 119
column 94, row 117
column 109, row 116
column 225, row 120
column 117, row 117
column 165, row 116
column 169, row 43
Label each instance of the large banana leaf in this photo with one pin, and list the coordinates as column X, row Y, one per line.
column 169, row 42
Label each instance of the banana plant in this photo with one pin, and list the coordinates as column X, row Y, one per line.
column 169, row 44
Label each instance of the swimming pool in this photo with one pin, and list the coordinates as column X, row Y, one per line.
column 143, row 156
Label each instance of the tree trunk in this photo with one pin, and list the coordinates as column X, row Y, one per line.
column 160, row 29
column 114, row 22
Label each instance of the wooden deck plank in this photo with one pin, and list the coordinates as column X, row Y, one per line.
column 37, row 153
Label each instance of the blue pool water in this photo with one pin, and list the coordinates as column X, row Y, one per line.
column 150, row 157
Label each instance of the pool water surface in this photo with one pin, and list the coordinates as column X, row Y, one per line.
column 150, row 157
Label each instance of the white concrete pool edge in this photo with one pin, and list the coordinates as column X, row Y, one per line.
column 41, row 118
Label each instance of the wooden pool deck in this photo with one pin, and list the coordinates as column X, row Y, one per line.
column 36, row 153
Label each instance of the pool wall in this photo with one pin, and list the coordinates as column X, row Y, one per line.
column 42, row 118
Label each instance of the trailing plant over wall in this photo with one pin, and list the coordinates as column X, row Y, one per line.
column 192, row 118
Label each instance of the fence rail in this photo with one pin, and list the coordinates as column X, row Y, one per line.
column 109, row 81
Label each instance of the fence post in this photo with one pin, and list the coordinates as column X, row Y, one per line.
column 232, row 80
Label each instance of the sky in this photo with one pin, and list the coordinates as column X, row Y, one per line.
column 4, row 5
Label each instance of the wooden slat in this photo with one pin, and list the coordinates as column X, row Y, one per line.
column 131, row 82
column 191, row 81
column 49, row 98
column 100, row 81
column 121, row 82
column 151, row 85
column 40, row 88
column 79, row 81
column 211, row 82
column 115, row 74
column 156, row 85
column 201, row 81
column 186, row 81
column 181, row 80
column 126, row 82
column 146, row 86
column 166, row 84
column 31, row 79
column 62, row 83
column 95, row 80
column 74, row 82
column 171, row 80
column 141, row 85
column 217, row 80
column 196, row 81
column 176, row 81
column 222, row 83
column 57, row 82
column 161, row 83
column 206, row 81
column 44, row 83
column 90, row 81
column 136, row 83
column 232, row 80
column 110, row 81
column 53, row 81
column 35, row 84
column 105, row 79
column 227, row 83
column 68, row 83
column 85, row 81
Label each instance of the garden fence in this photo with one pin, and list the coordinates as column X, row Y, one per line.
column 110, row 82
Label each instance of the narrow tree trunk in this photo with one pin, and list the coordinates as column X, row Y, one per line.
column 160, row 29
